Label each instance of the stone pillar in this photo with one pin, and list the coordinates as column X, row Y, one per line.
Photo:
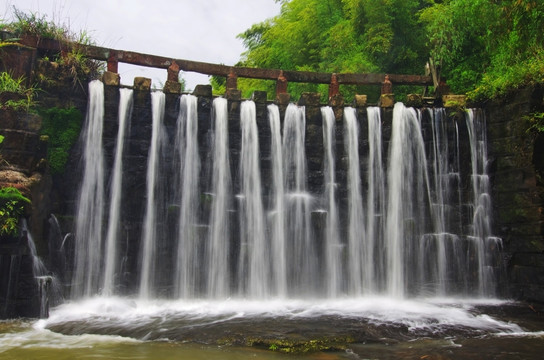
column 111, row 78
column 314, row 139
column 414, row 100
column 203, row 91
column 359, row 101
column 142, row 84
column 337, row 104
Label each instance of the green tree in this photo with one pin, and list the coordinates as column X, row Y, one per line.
column 483, row 47
column 486, row 47
column 350, row 36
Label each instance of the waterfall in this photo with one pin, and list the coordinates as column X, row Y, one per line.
column 444, row 242
column 219, row 240
column 301, row 252
column 333, row 247
column 408, row 198
column 149, row 233
column 187, row 260
column 481, row 234
column 355, row 224
column 277, row 218
column 387, row 216
column 90, row 205
column 254, row 251
column 374, row 249
column 113, row 232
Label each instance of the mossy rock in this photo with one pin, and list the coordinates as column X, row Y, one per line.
column 301, row 346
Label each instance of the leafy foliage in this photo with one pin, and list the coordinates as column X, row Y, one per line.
column 62, row 126
column 12, row 204
column 350, row 36
column 487, row 47
column 483, row 47
column 24, row 95
column 536, row 121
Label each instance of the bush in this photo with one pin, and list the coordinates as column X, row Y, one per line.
column 24, row 96
column 12, row 204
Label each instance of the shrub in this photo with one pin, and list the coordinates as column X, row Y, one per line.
column 24, row 99
column 12, row 204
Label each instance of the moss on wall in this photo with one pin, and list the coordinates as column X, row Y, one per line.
column 62, row 126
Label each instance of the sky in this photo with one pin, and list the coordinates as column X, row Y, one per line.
column 199, row 30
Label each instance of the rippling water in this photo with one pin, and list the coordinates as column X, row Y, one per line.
column 377, row 328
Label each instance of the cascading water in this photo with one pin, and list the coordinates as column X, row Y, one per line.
column 187, row 261
column 445, row 173
column 149, row 233
column 113, row 232
column 374, row 270
column 395, row 230
column 357, row 271
column 254, row 249
column 408, row 199
column 484, row 244
column 301, row 251
column 217, row 252
column 277, row 208
column 90, row 208
column 49, row 288
column 333, row 247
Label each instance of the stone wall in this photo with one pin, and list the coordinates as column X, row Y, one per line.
column 516, row 156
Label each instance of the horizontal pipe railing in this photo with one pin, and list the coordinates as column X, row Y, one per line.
column 113, row 57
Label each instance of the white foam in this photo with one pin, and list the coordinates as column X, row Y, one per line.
column 414, row 313
column 37, row 337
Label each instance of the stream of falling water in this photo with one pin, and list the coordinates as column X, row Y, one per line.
column 408, row 198
column 113, row 232
column 218, row 258
column 395, row 230
column 186, row 276
column 254, row 249
column 149, row 233
column 333, row 246
column 355, row 232
column 90, row 207
column 373, row 274
column 277, row 211
column 481, row 236
column 301, row 251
